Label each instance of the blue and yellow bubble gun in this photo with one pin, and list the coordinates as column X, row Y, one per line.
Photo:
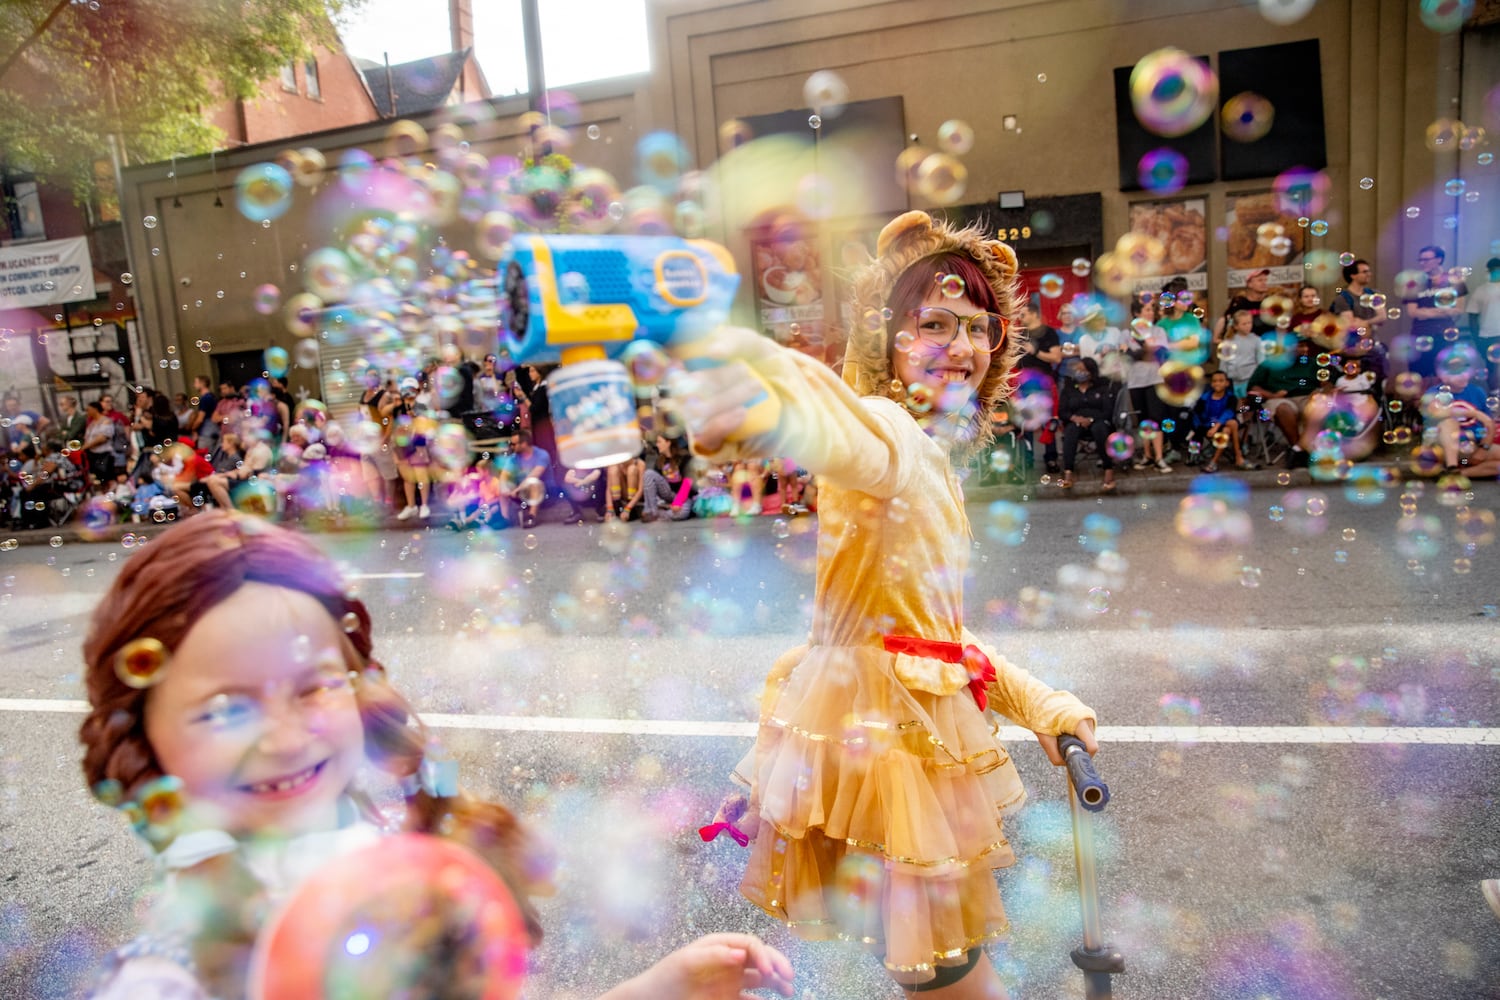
column 583, row 300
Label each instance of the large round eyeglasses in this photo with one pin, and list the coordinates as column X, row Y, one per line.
column 938, row 326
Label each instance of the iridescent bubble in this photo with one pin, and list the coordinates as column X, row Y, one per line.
column 952, row 286
column 277, row 361
column 1163, row 171
column 1172, row 93
column 1247, row 117
column 1446, row 16
column 733, row 134
column 150, row 222
column 1366, row 183
column 1485, row 159
column 826, row 92
column 1005, row 522
column 266, row 299
column 1181, row 384
column 904, row 341
column 955, row 136
column 647, row 364
column 263, row 192
column 592, row 132
column 661, row 158
column 1319, row 228
column 328, row 273
column 1051, row 285
column 1346, row 258
column 1444, row 134
column 405, row 138
column 494, row 232
column 942, row 179
column 1413, row 212
column 1285, row 11
column 814, row 122
column 301, row 313
column 1302, row 191
column 139, row 663
column 1082, row 266
column 160, row 802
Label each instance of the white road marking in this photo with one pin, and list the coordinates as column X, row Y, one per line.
column 1428, row 735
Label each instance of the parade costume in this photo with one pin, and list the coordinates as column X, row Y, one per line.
column 877, row 783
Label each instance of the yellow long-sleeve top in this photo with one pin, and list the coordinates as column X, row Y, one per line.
column 893, row 539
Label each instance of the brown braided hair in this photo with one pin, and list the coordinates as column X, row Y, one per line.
column 161, row 592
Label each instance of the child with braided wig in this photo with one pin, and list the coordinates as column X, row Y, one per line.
column 875, row 764
column 234, row 698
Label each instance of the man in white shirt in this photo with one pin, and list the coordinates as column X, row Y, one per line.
column 1484, row 318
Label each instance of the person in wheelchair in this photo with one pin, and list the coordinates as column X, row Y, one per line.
column 1087, row 408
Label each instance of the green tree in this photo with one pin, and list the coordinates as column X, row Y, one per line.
column 75, row 72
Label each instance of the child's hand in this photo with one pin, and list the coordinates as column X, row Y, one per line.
column 1085, row 732
column 714, row 967
column 718, row 393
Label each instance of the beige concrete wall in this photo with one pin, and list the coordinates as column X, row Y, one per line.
column 1385, row 77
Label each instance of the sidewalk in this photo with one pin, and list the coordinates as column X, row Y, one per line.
column 1088, row 482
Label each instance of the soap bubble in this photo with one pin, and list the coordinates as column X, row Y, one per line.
column 827, row 92
column 1285, row 11
column 267, row 297
column 1172, row 93
column 1247, row 117
column 277, row 360
column 263, row 192
column 1163, row 171
column 955, row 136
column 942, row 179
column 1446, row 16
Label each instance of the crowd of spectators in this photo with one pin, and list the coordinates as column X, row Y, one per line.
column 462, row 444
column 1276, row 378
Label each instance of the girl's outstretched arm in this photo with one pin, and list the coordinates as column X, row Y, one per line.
column 758, row 400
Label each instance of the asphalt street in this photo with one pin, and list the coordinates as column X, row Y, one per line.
column 1299, row 690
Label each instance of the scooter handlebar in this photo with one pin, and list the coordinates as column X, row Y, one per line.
column 1093, row 793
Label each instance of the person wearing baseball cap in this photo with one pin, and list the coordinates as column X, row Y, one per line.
column 1249, row 299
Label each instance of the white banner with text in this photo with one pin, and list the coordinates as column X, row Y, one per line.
column 48, row 273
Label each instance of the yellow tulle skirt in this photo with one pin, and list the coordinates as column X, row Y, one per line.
column 877, row 810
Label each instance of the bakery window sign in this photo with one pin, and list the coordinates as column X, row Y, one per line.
column 1170, row 238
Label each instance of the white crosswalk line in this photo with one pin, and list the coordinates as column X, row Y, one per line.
column 1385, row 735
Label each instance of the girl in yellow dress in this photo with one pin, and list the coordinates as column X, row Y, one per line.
column 877, row 784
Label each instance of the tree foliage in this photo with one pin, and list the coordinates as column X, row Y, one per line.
column 144, row 70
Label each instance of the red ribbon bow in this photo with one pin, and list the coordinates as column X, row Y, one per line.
column 981, row 671
column 712, row 830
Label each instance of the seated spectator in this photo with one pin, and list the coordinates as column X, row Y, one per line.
column 256, row 460
column 582, row 490
column 665, row 490
column 1087, row 407
column 1283, row 391
column 476, row 498
column 1465, row 430
column 714, row 497
column 523, row 475
column 1216, row 419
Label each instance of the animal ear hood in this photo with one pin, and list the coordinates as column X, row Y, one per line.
column 905, row 240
